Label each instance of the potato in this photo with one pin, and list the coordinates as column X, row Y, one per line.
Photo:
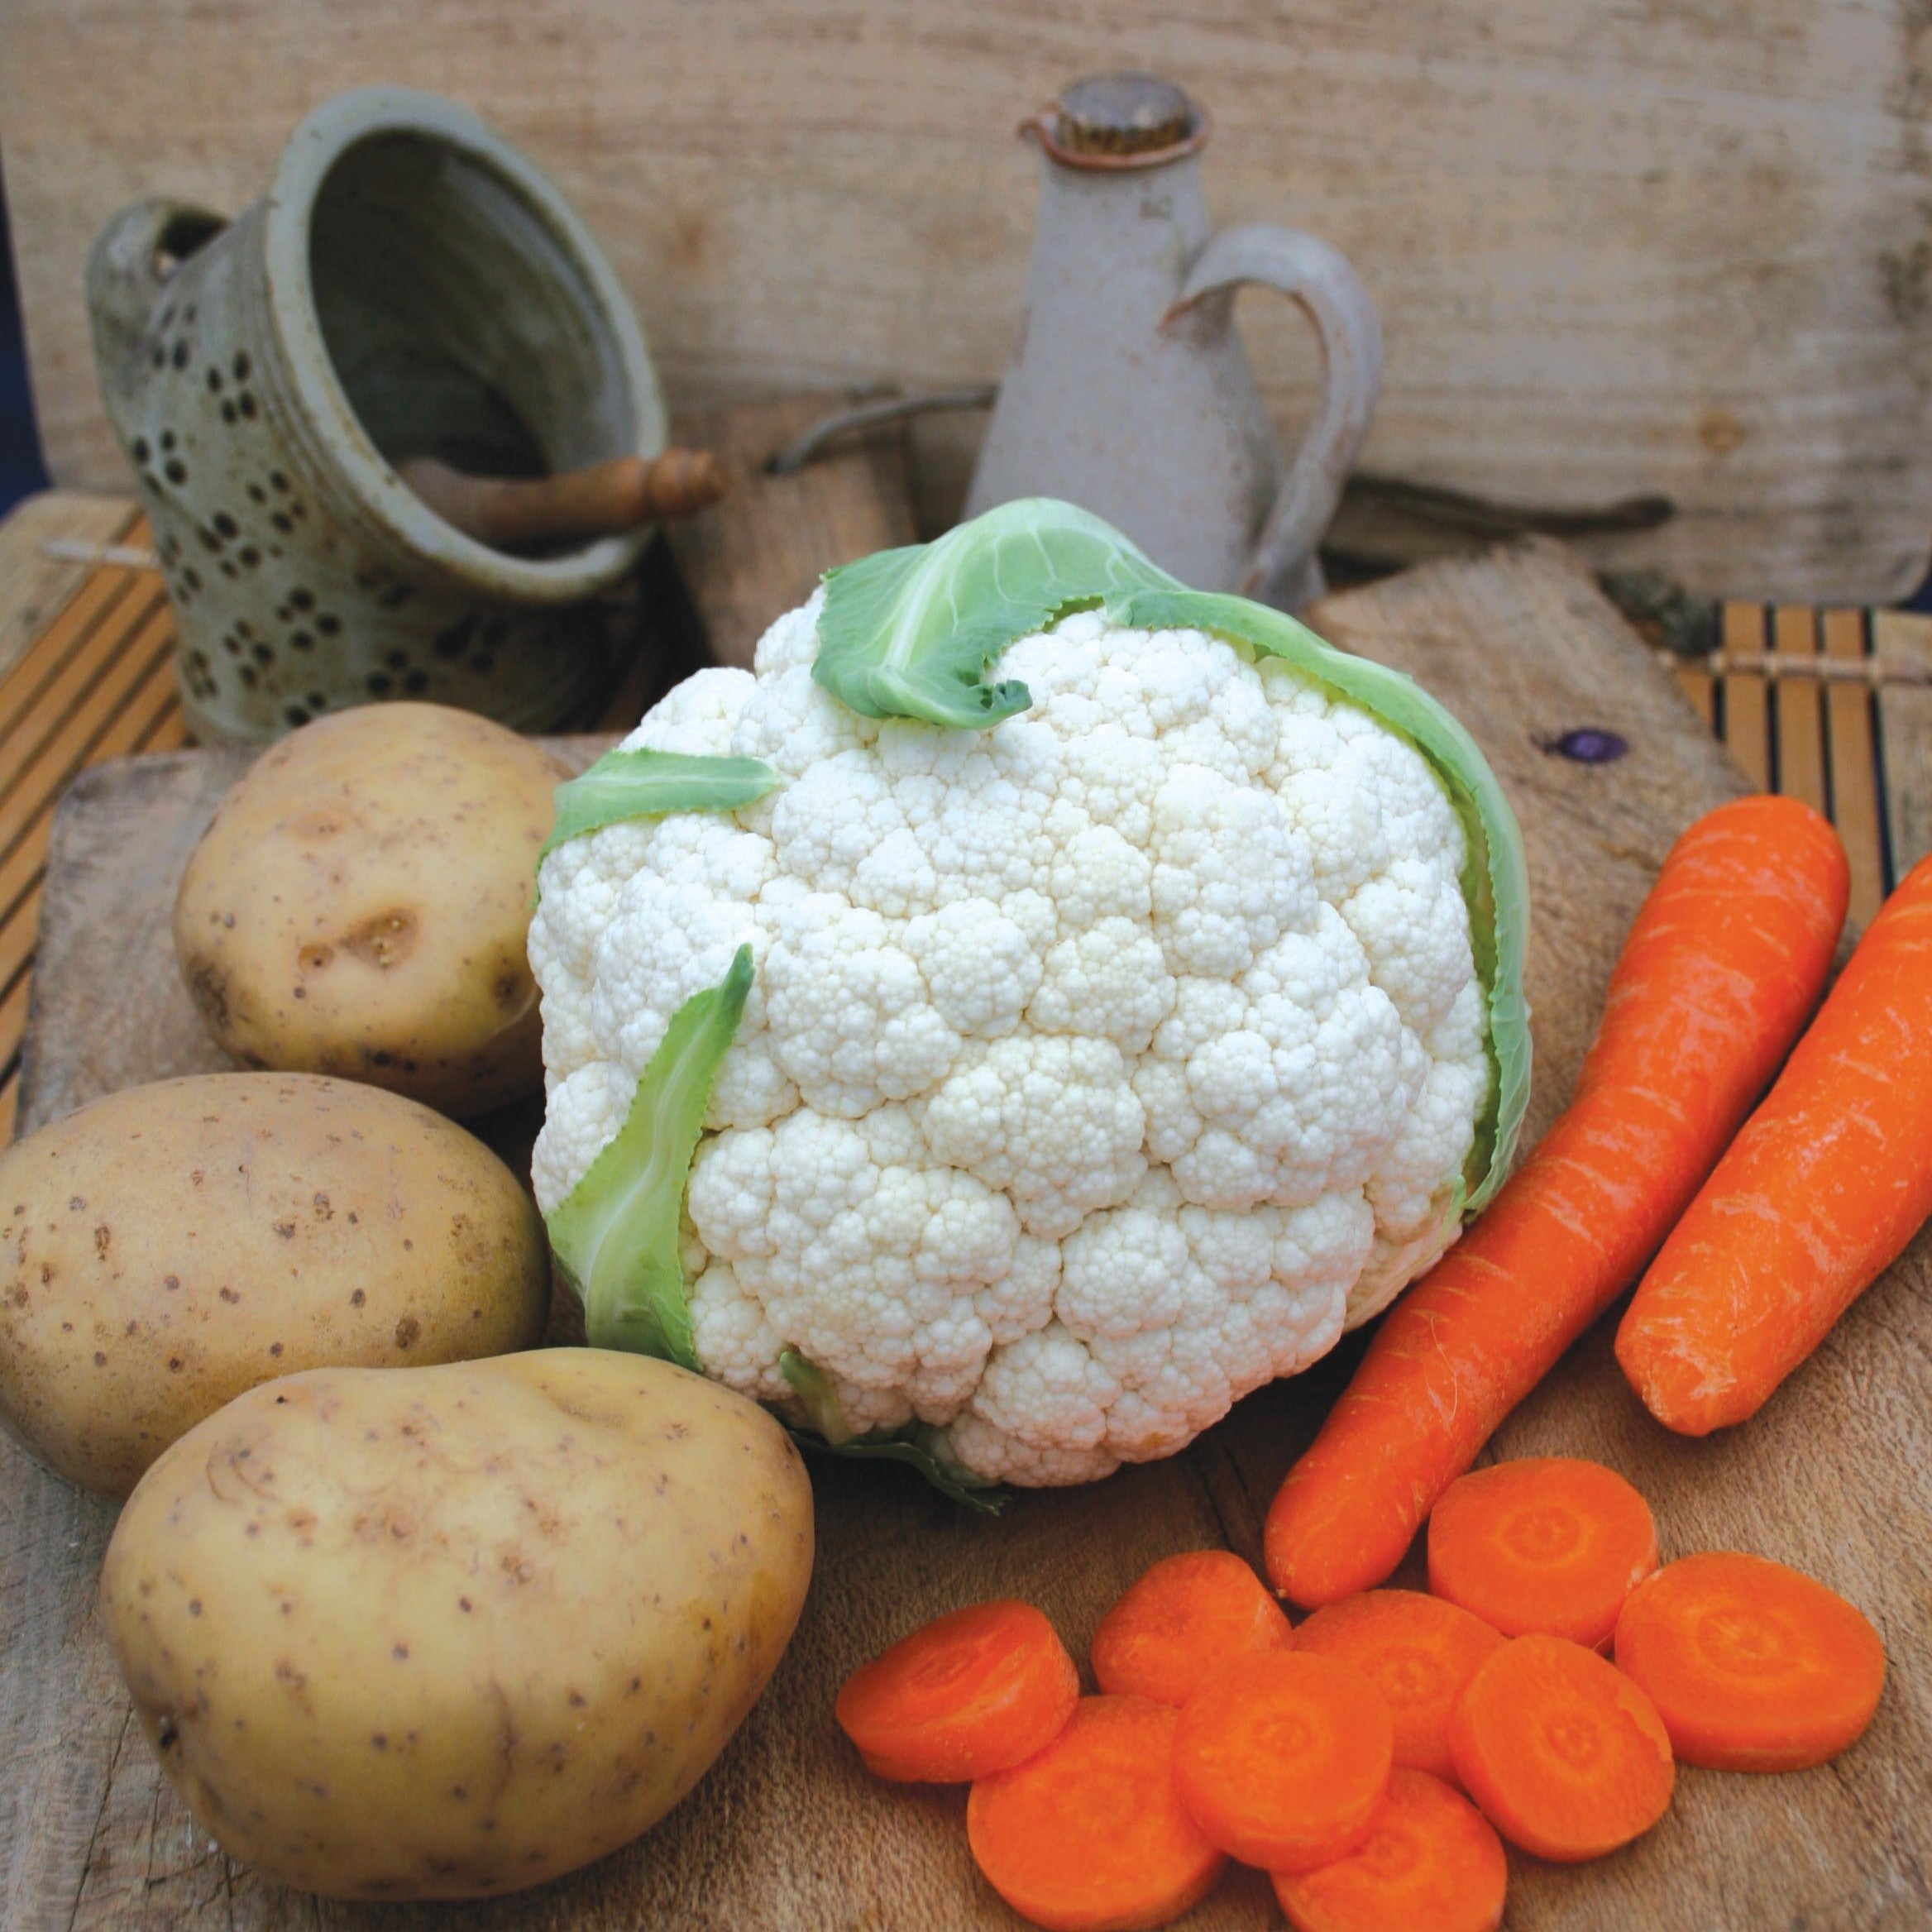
column 359, row 905
column 169, row 1246
column 441, row 1632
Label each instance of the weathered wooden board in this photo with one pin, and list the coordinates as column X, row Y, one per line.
column 1906, row 737
column 1664, row 246
column 787, row 1831
column 763, row 552
column 38, row 586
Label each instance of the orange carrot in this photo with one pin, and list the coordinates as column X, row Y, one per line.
column 1088, row 1834
column 1282, row 1759
column 963, row 1696
column 1552, row 1544
column 1752, row 1666
column 1815, row 1199
column 1431, row 1862
column 1726, row 957
column 1566, row 1756
column 1417, row 1651
column 1181, row 1621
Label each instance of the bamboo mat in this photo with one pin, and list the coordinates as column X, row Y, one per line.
column 95, row 680
column 1860, row 752
column 87, row 673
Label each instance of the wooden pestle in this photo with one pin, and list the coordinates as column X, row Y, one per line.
column 604, row 500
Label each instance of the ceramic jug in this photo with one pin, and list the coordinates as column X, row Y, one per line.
column 410, row 286
column 1129, row 393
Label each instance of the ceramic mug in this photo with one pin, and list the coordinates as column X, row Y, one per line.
column 410, row 285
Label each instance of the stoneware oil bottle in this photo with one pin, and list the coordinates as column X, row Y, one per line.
column 1129, row 392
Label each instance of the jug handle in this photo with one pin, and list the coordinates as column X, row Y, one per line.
column 128, row 267
column 1320, row 278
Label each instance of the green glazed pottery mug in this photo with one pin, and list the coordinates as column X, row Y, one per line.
column 410, row 285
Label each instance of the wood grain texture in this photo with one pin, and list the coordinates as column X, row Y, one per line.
column 787, row 1831
column 1745, row 717
column 763, row 550
column 1799, row 712
column 37, row 587
column 95, row 682
column 1616, row 248
column 1851, row 728
column 1906, row 742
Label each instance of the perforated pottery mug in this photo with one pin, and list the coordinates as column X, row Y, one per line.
column 1129, row 393
column 410, row 286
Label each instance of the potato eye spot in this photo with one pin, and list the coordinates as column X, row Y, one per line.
column 382, row 941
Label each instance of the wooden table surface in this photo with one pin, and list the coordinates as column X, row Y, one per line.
column 1836, row 1476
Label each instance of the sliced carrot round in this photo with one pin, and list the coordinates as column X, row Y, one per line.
column 1752, row 1666
column 1552, row 1544
column 1088, row 1834
column 1432, row 1863
column 1565, row 1755
column 1419, row 1652
column 963, row 1696
column 1282, row 1759
column 1185, row 1618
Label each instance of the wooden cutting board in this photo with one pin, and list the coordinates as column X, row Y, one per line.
column 787, row 1831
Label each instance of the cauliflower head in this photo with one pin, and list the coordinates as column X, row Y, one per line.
column 1098, row 1061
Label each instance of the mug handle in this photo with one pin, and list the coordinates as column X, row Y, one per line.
column 1319, row 278
column 128, row 267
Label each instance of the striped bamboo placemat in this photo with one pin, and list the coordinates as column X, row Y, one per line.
column 96, row 682
column 1853, row 738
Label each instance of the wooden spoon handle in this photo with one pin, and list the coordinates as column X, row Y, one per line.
column 604, row 500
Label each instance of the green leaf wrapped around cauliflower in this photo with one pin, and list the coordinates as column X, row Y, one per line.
column 1115, row 1037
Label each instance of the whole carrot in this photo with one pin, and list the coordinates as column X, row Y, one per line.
column 1829, row 1180
column 1726, row 958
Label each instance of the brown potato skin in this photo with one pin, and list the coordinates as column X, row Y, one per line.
column 445, row 1632
column 169, row 1246
column 360, row 902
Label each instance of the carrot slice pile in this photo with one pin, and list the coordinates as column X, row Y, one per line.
column 1185, row 1619
column 1551, row 1543
column 1566, row 1756
column 964, row 1695
column 1282, row 1759
column 1431, row 1863
column 1088, row 1834
column 1752, row 1666
column 1419, row 1652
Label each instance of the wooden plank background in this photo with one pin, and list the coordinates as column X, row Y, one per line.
column 1618, row 245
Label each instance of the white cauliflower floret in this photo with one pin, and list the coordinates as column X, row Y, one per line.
column 1110, row 981
column 1230, row 875
column 978, row 967
column 851, row 1020
column 698, row 717
column 1053, row 1121
column 791, row 641
column 734, row 1339
column 1098, row 1067
column 1048, row 1390
column 586, row 1108
column 862, row 1261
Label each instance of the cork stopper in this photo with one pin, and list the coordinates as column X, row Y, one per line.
column 1115, row 120
column 1122, row 114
